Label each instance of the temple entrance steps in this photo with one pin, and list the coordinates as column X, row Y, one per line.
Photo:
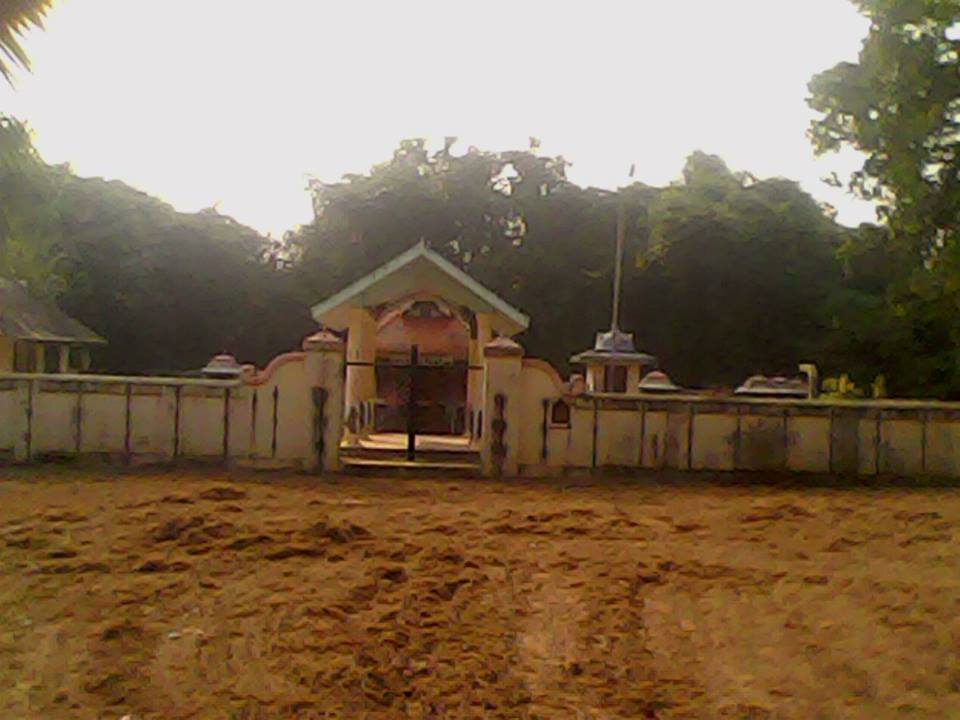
column 434, row 456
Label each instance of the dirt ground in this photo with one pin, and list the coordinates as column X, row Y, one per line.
column 197, row 595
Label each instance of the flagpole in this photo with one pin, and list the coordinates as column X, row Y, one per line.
column 618, row 267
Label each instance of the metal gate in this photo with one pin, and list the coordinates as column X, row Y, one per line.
column 418, row 397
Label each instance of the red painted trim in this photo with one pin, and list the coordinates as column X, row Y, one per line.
column 263, row 376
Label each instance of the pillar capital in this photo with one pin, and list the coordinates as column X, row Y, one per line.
column 502, row 347
column 323, row 341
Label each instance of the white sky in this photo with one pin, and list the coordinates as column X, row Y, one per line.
column 237, row 102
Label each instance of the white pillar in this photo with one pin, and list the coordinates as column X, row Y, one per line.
column 324, row 367
column 595, row 378
column 500, row 446
column 475, row 394
column 361, row 356
column 64, row 364
column 22, row 420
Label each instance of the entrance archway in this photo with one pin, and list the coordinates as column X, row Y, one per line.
column 417, row 300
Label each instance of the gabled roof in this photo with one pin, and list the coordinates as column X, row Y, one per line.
column 23, row 317
column 419, row 269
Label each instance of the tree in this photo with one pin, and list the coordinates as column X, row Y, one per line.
column 27, row 250
column 899, row 105
column 169, row 289
column 735, row 276
column 29, row 240
column 731, row 272
column 16, row 17
column 511, row 219
column 166, row 289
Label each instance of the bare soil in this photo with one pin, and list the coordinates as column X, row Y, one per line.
column 200, row 595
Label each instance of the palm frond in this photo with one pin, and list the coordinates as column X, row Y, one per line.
column 16, row 18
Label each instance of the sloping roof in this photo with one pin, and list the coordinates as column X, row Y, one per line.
column 23, row 317
column 419, row 268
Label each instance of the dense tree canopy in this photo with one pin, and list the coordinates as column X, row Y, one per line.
column 167, row 289
column 730, row 274
column 29, row 250
column 725, row 274
column 736, row 276
column 899, row 104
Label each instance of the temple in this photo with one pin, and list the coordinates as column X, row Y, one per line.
column 415, row 332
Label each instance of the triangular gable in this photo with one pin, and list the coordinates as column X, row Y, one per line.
column 419, row 268
column 24, row 317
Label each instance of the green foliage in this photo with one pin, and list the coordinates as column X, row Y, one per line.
column 29, row 239
column 841, row 388
column 726, row 274
column 16, row 17
column 899, row 104
column 729, row 273
column 169, row 289
column 735, row 277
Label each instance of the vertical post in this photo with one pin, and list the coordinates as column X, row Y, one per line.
column 690, row 436
column 253, row 423
column 319, row 423
column 643, row 431
column 128, row 392
column 545, row 429
column 412, row 404
column 737, row 440
column 78, row 420
column 361, row 354
column 177, row 391
column 28, row 432
column 484, row 334
column 325, row 371
column 593, row 444
column 226, row 424
column 500, row 442
column 923, row 441
column 618, row 263
column 786, row 438
column 831, row 453
column 63, row 364
column 276, row 412
column 876, row 444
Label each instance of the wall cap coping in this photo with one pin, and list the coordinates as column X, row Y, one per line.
column 119, row 379
column 252, row 377
column 827, row 403
column 574, row 386
column 502, row 347
column 321, row 341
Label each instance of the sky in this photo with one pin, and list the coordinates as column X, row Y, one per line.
column 236, row 103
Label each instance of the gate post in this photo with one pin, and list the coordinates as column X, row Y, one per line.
column 326, row 378
column 500, row 443
column 23, row 421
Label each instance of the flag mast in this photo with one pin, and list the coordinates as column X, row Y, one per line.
column 618, row 266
